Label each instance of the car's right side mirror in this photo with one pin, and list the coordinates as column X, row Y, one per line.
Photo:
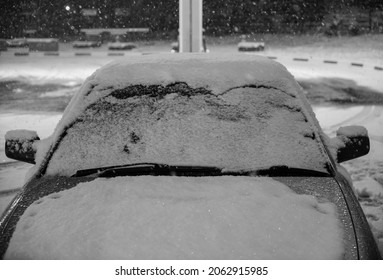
column 351, row 142
column 19, row 145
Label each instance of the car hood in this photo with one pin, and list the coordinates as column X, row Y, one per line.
column 169, row 217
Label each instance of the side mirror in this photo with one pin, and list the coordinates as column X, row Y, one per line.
column 19, row 145
column 351, row 142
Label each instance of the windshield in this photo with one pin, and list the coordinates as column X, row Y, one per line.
column 244, row 128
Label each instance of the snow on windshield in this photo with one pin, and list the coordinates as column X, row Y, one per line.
column 150, row 217
column 189, row 110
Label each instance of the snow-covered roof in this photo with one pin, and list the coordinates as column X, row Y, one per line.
column 237, row 111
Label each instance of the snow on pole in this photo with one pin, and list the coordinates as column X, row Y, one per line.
column 190, row 27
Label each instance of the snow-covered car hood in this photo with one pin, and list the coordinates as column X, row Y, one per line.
column 147, row 217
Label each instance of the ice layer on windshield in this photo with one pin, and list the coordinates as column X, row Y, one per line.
column 242, row 112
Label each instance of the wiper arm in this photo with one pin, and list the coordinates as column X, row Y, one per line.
column 286, row 171
column 154, row 169
column 107, row 169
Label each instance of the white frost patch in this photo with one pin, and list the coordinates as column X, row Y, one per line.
column 178, row 218
column 20, row 135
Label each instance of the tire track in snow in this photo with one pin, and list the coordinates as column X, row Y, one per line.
column 364, row 116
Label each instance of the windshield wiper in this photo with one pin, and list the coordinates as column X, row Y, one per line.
column 156, row 169
column 286, row 171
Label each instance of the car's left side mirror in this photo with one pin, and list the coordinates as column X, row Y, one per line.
column 20, row 145
column 351, row 142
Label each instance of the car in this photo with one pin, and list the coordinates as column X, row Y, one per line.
column 245, row 46
column 187, row 156
column 86, row 44
column 121, row 46
column 17, row 43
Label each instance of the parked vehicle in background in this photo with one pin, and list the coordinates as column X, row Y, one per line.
column 187, row 156
column 250, row 46
column 120, row 43
column 88, row 41
column 86, row 44
column 17, row 43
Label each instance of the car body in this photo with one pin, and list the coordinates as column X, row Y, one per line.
column 17, row 43
column 245, row 46
column 121, row 46
column 187, row 156
column 86, row 44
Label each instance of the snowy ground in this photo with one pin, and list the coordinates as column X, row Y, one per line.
column 45, row 84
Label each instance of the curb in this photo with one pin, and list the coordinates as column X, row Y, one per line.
column 51, row 54
column 354, row 64
column 116, row 54
column 21, row 53
column 66, row 54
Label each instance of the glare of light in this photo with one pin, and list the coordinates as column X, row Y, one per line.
column 67, row 8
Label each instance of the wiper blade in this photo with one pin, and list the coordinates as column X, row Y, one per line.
column 286, row 171
column 154, row 169
column 100, row 170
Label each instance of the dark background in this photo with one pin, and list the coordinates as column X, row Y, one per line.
column 50, row 18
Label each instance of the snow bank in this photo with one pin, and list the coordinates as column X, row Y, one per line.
column 369, row 188
column 178, row 218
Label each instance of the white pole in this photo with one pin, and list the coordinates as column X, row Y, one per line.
column 190, row 27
